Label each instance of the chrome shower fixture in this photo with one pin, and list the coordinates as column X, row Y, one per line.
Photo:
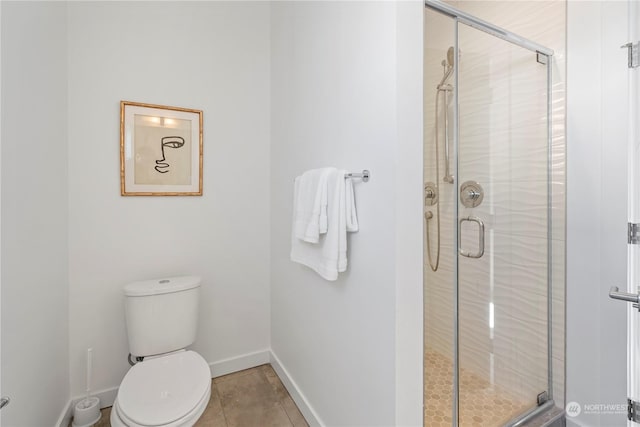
column 448, row 69
column 471, row 194
column 432, row 190
column 430, row 194
column 450, row 53
column 446, row 88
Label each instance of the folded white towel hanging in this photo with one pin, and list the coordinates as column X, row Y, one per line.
column 310, row 209
column 351, row 215
column 328, row 257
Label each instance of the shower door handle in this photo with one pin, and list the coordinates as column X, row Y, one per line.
column 480, row 237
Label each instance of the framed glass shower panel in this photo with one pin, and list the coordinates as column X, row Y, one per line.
column 439, row 245
column 503, row 229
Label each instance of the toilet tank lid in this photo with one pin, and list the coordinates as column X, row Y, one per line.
column 161, row 286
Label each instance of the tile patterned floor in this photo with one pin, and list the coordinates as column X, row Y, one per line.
column 485, row 405
column 255, row 398
column 251, row 398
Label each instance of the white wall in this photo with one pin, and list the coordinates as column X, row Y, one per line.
column 212, row 56
column 323, row 114
column 596, row 207
column 334, row 103
column 408, row 206
column 35, row 337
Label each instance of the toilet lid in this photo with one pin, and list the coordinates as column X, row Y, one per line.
column 161, row 390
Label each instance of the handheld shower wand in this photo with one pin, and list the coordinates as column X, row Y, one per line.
column 432, row 190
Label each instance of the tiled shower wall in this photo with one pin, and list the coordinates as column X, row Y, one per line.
column 503, row 147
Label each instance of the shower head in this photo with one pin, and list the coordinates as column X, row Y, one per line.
column 448, row 66
column 448, row 63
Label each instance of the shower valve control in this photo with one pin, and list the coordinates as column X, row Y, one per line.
column 471, row 194
column 430, row 194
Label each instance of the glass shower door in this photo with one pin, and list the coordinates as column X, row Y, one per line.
column 503, row 224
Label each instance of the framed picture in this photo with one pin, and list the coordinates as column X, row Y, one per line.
column 160, row 150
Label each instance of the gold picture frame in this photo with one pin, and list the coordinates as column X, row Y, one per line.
column 160, row 150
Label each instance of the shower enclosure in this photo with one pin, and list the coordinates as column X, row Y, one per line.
column 487, row 222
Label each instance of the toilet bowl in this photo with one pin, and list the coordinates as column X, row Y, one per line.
column 171, row 386
column 166, row 391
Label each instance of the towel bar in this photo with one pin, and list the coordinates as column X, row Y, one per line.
column 364, row 175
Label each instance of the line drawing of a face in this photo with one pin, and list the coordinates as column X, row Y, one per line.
column 169, row 142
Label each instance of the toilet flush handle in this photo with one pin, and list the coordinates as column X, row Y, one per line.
column 4, row 402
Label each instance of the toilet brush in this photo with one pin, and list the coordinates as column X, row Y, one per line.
column 87, row 411
column 89, row 366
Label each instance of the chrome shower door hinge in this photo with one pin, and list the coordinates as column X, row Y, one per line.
column 633, row 411
column 633, row 60
column 541, row 58
column 542, row 398
column 633, row 233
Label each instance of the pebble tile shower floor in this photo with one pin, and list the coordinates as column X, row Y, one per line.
column 485, row 405
column 251, row 398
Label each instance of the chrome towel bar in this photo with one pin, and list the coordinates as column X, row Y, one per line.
column 364, row 175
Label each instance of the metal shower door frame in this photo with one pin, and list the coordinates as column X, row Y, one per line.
column 487, row 27
column 544, row 56
column 633, row 214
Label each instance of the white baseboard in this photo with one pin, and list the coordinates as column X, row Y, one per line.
column 296, row 394
column 239, row 363
column 65, row 417
column 106, row 396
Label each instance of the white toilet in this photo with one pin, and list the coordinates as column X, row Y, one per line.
column 171, row 386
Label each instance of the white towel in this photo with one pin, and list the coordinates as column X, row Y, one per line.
column 328, row 257
column 310, row 208
column 352, row 216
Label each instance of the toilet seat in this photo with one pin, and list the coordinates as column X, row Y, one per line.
column 117, row 419
column 167, row 391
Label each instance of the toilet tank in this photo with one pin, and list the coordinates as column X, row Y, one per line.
column 161, row 314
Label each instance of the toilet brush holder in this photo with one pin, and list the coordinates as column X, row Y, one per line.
column 86, row 412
